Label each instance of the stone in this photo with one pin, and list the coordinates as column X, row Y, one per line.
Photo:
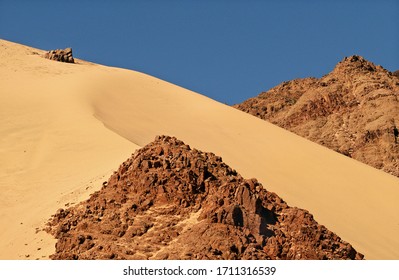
column 60, row 55
column 199, row 212
column 351, row 110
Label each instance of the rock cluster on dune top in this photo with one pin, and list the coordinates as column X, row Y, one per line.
column 60, row 55
column 353, row 110
column 168, row 201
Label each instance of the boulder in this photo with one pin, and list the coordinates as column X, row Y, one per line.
column 60, row 55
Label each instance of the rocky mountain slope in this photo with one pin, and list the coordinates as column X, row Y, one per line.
column 168, row 201
column 353, row 110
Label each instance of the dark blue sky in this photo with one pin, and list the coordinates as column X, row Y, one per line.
column 228, row 50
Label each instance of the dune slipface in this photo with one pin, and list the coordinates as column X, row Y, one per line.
column 169, row 201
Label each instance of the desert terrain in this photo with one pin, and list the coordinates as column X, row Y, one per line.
column 171, row 201
column 65, row 128
column 353, row 110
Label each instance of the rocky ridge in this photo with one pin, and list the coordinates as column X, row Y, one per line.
column 168, row 201
column 353, row 110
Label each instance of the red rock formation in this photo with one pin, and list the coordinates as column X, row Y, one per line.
column 169, row 201
column 353, row 110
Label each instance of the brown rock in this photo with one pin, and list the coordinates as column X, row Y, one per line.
column 60, row 55
column 204, row 211
column 353, row 110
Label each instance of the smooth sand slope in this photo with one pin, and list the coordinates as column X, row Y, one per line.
column 65, row 127
column 52, row 150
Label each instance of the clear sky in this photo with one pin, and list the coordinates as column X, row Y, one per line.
column 229, row 50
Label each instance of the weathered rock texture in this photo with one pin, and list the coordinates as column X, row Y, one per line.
column 169, row 201
column 353, row 110
column 60, row 55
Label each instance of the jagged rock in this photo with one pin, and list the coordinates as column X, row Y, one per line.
column 353, row 110
column 61, row 55
column 168, row 201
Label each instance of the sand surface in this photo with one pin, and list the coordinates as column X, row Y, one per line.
column 66, row 127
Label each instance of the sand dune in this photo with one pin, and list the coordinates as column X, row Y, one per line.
column 52, row 148
column 65, row 127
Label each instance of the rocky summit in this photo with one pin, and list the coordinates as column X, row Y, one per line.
column 353, row 110
column 60, row 55
column 168, row 201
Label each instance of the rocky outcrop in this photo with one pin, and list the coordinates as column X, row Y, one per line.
column 353, row 110
column 61, row 55
column 168, row 201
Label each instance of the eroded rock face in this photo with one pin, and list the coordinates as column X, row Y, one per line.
column 61, row 55
column 353, row 110
column 169, row 201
